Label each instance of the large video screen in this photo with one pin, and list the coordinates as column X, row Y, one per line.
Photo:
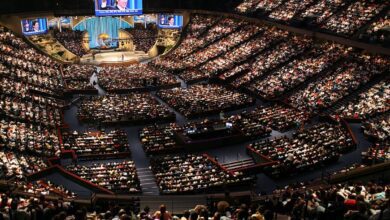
column 34, row 26
column 118, row 7
column 170, row 21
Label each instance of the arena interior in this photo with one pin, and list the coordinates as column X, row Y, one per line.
column 195, row 110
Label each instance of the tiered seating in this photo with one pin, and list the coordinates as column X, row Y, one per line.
column 198, row 25
column 321, row 10
column 299, row 70
column 156, row 139
column 46, row 188
column 77, row 77
column 143, row 38
column 72, row 40
column 272, row 58
column 372, row 102
column 347, row 78
column 190, row 173
column 202, row 99
column 379, row 32
column 277, row 117
column 37, row 81
column 355, row 16
column 28, row 138
column 134, row 107
column 244, row 51
column 119, row 177
column 262, row 6
column 289, row 9
column 377, row 153
column 307, row 149
column 30, row 111
column 30, row 114
column 162, row 139
column 134, row 77
column 20, row 54
column 221, row 46
column 98, row 142
column 17, row 165
column 378, row 128
column 219, row 38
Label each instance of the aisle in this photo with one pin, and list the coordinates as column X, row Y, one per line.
column 145, row 175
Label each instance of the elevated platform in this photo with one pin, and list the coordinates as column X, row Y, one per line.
column 102, row 57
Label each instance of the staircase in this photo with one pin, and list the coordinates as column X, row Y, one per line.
column 148, row 182
column 238, row 164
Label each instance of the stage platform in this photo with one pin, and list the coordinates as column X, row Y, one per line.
column 114, row 57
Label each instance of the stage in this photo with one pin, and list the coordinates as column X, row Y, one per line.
column 113, row 57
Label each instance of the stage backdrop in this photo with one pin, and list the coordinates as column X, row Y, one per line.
column 102, row 31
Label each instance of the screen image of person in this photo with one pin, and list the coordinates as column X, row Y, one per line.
column 119, row 5
column 103, row 5
column 35, row 25
column 162, row 20
column 171, row 21
column 27, row 27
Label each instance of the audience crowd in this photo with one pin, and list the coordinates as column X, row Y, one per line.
column 272, row 58
column 298, row 71
column 253, row 124
column 338, row 16
column 222, row 45
column 159, row 139
column 28, row 138
column 346, row 200
column 377, row 153
column 18, row 165
column 169, row 138
column 379, row 31
column 355, row 16
column 46, row 188
column 320, row 11
column 348, row 77
column 378, row 128
column 350, row 200
column 199, row 24
column 72, row 40
column 118, row 177
column 307, row 149
column 190, row 174
column 261, row 6
column 289, row 10
column 78, row 77
column 277, row 117
column 372, row 102
column 134, row 77
column 218, row 39
column 96, row 142
column 244, row 51
column 133, row 107
column 201, row 99
column 143, row 38
column 30, row 112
